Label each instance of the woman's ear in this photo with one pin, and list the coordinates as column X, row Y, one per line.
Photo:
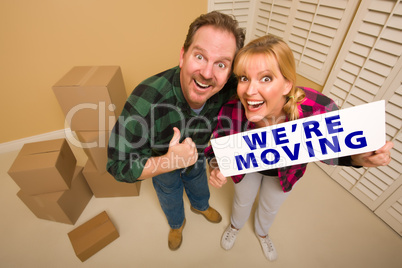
column 288, row 87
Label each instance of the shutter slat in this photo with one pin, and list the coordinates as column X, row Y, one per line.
column 367, row 192
column 355, row 59
column 331, row 12
column 343, row 85
column 382, row 176
column 362, row 94
column 384, row 58
column 376, row 17
column 367, row 86
column 395, row 213
column 372, row 77
column 339, row 4
column 370, row 29
column 389, row 47
column 378, row 67
column 382, row 6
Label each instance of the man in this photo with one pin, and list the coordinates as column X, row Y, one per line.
column 168, row 120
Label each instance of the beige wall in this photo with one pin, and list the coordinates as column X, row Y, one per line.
column 304, row 82
column 41, row 40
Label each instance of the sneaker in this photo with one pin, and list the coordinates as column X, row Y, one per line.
column 229, row 237
column 268, row 247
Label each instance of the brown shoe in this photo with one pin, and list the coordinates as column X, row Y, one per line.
column 210, row 214
column 175, row 237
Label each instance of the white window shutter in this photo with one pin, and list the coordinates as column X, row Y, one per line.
column 391, row 211
column 368, row 68
column 241, row 9
column 360, row 74
column 272, row 17
column 314, row 29
column 317, row 33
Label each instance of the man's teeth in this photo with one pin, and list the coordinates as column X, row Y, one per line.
column 255, row 102
column 201, row 84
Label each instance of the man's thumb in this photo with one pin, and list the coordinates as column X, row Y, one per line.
column 176, row 137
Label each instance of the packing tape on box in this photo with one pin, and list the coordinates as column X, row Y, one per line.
column 88, row 74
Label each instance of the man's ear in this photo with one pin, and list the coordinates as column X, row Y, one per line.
column 181, row 57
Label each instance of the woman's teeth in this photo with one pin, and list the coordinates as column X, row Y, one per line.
column 255, row 104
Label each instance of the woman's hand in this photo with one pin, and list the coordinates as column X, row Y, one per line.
column 216, row 178
column 381, row 157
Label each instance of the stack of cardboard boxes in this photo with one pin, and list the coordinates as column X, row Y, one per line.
column 92, row 98
column 52, row 186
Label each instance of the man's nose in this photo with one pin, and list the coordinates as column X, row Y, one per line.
column 207, row 71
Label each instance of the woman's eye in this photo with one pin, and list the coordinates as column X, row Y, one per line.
column 243, row 79
column 266, row 79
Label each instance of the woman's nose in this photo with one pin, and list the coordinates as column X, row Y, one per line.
column 251, row 89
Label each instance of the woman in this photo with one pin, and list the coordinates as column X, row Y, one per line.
column 267, row 95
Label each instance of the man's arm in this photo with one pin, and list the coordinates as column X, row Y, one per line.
column 179, row 155
column 125, row 167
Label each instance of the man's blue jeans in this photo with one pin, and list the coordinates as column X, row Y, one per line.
column 169, row 189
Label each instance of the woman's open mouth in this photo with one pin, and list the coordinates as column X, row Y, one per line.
column 255, row 104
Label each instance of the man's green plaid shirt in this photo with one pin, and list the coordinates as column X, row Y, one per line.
column 145, row 126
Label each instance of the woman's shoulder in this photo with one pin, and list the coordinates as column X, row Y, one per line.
column 316, row 103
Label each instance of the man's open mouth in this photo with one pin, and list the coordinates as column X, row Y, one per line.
column 201, row 85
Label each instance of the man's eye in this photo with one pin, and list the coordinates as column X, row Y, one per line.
column 221, row 65
column 200, row 57
column 266, row 79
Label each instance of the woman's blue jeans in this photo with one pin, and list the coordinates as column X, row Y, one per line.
column 169, row 189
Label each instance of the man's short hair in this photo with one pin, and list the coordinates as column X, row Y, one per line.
column 220, row 21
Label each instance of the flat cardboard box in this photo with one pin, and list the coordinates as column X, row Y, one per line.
column 92, row 236
column 65, row 206
column 105, row 185
column 95, row 145
column 91, row 97
column 44, row 167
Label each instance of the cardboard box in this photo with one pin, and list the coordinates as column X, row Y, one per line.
column 91, row 97
column 105, row 185
column 44, row 167
column 92, row 236
column 95, row 145
column 64, row 206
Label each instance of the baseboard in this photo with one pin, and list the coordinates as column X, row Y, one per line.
column 17, row 144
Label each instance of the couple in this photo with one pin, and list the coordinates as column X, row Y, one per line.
column 213, row 67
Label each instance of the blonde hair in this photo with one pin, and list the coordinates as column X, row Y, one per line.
column 274, row 48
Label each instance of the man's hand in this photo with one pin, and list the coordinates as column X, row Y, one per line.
column 216, row 178
column 381, row 157
column 183, row 154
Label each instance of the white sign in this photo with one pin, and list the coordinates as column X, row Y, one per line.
column 335, row 134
